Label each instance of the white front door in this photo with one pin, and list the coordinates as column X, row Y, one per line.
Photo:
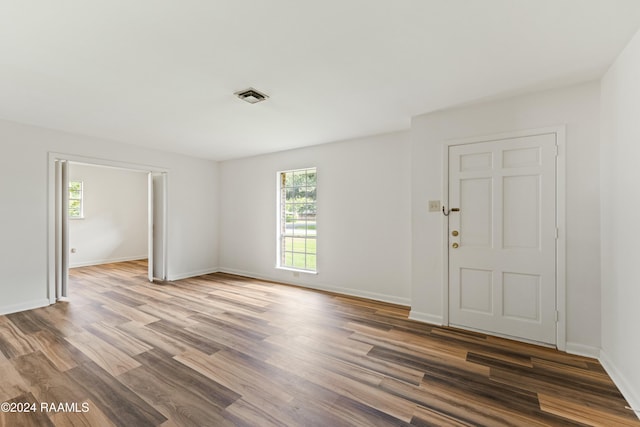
column 502, row 241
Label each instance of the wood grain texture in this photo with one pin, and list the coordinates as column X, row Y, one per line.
column 224, row 350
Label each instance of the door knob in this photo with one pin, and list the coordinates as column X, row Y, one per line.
column 454, row 233
column 455, row 245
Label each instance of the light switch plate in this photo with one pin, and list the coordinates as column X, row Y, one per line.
column 434, row 205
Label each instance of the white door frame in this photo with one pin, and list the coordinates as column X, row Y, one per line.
column 560, row 132
column 53, row 194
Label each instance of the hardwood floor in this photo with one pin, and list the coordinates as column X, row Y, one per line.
column 224, row 350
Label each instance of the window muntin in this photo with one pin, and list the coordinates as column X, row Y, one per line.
column 297, row 247
column 76, row 204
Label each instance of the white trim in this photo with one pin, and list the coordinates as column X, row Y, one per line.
column 506, row 135
column 64, row 228
column 279, row 218
column 107, row 261
column 297, row 270
column 324, row 287
column 165, row 224
column 96, row 161
column 630, row 393
column 582, row 350
column 54, row 228
column 150, row 226
column 29, row 305
column 431, row 319
column 445, row 235
column 190, row 274
column 561, row 243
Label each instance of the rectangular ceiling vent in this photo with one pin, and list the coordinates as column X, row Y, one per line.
column 251, row 95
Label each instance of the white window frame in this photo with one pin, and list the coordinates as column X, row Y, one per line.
column 282, row 234
column 80, row 199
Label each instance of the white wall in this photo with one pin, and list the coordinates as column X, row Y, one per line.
column 620, row 144
column 192, row 216
column 363, row 216
column 578, row 108
column 114, row 227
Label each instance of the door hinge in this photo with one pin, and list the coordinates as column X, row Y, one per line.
column 556, row 149
column 557, row 316
column 557, row 232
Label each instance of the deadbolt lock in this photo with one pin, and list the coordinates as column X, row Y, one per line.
column 454, row 233
column 455, row 245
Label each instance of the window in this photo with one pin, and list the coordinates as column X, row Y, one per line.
column 297, row 220
column 76, row 210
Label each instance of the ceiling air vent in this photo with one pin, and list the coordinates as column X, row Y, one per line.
column 251, row 95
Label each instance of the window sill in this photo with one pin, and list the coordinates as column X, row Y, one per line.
column 296, row 270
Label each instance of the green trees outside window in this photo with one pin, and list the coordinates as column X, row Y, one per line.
column 297, row 220
column 75, row 199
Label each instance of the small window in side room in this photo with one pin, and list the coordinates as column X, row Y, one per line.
column 76, row 194
column 297, row 235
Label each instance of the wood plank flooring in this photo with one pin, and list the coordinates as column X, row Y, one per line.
column 222, row 350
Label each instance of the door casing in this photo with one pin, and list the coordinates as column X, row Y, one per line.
column 560, row 132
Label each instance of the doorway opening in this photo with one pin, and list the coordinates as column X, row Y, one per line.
column 155, row 223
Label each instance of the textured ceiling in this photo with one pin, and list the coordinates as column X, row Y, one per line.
column 162, row 73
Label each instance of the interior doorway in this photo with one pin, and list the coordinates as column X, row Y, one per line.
column 58, row 213
column 108, row 215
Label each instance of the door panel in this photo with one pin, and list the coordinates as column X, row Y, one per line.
column 502, row 274
column 151, row 226
column 159, row 226
column 476, row 290
column 521, row 296
column 157, row 191
column 476, row 228
column 521, row 212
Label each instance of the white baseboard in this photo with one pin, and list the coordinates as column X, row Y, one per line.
column 323, row 287
column 426, row 318
column 582, row 350
column 630, row 393
column 29, row 305
column 106, row 261
column 195, row 273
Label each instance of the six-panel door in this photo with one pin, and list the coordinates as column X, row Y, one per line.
column 502, row 242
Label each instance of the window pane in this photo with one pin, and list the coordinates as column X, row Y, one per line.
column 299, row 178
column 311, row 262
column 298, row 260
column 300, row 228
column 288, row 244
column 311, row 246
column 288, row 259
column 311, row 179
column 298, row 245
column 75, row 199
column 288, row 181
